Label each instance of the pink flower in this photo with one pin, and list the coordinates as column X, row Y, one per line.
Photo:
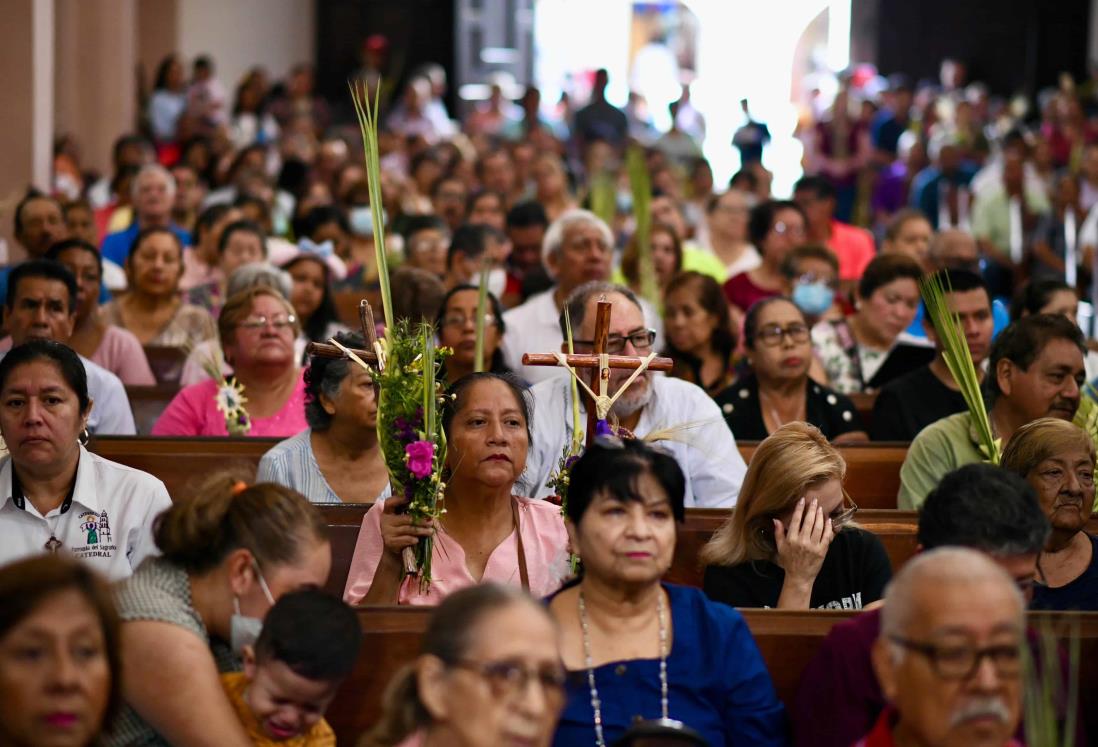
column 419, row 455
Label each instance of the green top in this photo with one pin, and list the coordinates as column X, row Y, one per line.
column 939, row 448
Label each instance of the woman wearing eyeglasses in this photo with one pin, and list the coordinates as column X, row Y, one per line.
column 457, row 329
column 791, row 542
column 777, row 389
column 776, row 227
column 257, row 329
column 488, row 674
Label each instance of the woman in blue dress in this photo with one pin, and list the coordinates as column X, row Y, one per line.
column 639, row 649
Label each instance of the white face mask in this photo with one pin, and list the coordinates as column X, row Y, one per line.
column 497, row 281
column 243, row 630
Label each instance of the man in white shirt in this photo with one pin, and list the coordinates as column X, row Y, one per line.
column 41, row 305
column 700, row 439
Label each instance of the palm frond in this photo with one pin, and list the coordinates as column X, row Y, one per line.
column 642, row 214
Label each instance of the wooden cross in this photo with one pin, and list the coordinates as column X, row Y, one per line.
column 591, row 361
column 366, row 319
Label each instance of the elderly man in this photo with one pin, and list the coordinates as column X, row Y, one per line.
column 980, row 507
column 704, row 448
column 153, row 199
column 577, row 249
column 41, row 305
column 1036, row 371
column 949, row 657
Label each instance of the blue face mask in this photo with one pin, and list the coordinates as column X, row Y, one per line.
column 813, row 298
column 361, row 219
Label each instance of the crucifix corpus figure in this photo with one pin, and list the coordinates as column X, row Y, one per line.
column 599, row 362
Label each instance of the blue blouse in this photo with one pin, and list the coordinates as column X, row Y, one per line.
column 717, row 683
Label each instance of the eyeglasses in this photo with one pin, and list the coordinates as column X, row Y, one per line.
column 961, row 662
column 773, row 334
column 460, row 320
column 844, row 515
column 280, row 323
column 811, row 277
column 782, row 228
column 615, row 345
column 509, row 679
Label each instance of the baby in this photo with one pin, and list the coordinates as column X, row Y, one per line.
column 308, row 645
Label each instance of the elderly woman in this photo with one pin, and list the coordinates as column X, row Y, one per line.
column 457, row 330
column 777, row 389
column 487, row 533
column 337, row 459
column 790, row 542
column 854, row 351
column 116, row 349
column 64, row 498
column 229, row 552
column 241, row 243
column 699, row 332
column 1057, row 459
column 639, row 648
column 470, row 685
column 257, row 329
column 152, row 309
column 666, row 259
column 60, row 667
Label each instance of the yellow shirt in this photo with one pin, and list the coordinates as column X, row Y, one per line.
column 235, row 683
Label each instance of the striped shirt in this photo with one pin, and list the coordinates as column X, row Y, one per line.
column 292, row 463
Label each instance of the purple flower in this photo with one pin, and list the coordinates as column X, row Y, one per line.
column 602, row 428
column 570, row 461
column 419, row 455
column 405, row 431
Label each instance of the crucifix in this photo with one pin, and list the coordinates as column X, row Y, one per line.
column 599, row 363
column 369, row 332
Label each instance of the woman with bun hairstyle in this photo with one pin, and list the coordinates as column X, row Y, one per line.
column 229, row 552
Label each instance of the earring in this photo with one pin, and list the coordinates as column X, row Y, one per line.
column 84, row 437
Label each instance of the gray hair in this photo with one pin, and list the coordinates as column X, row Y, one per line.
column 256, row 274
column 147, row 170
column 576, row 303
column 554, row 236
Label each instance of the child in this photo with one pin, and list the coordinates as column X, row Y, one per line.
column 308, row 645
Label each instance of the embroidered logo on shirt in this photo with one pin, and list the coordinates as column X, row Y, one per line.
column 97, row 530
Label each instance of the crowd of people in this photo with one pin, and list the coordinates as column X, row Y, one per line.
column 231, row 234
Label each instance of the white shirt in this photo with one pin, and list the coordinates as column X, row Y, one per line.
column 111, row 414
column 120, row 501
column 706, row 453
column 534, row 327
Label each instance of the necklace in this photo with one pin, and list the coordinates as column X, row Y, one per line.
column 596, row 704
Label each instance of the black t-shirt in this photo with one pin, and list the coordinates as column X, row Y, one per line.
column 1080, row 594
column 833, row 413
column 910, row 403
column 853, row 575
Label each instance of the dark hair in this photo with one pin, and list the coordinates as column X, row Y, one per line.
column 45, row 269
column 125, row 141
column 246, row 226
column 28, row 198
column 751, row 319
column 899, row 219
column 615, row 467
column 710, row 297
column 821, row 188
column 317, row 325
column 471, row 240
column 497, row 363
column 145, row 233
column 808, row 251
column 576, row 303
column 1022, row 342
column 324, row 376
column 160, row 82
column 25, row 585
column 321, row 215
column 271, row 521
column 207, row 218
column 416, row 294
column 887, row 268
column 459, row 395
column 313, row 633
column 449, row 637
column 526, row 214
column 630, row 258
column 762, row 219
column 244, row 200
column 960, row 281
column 744, row 179
column 65, row 358
column 416, row 223
column 985, row 508
column 1034, row 295
column 57, row 249
column 477, row 195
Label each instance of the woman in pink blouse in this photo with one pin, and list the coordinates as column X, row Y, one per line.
column 487, row 533
column 257, row 329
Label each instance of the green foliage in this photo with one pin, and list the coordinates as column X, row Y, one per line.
column 1050, row 697
column 642, row 213
column 603, row 197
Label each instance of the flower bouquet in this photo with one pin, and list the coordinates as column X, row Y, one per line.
column 229, row 397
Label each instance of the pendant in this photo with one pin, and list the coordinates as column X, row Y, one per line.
column 53, row 544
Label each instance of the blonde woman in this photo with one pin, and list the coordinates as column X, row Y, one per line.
column 791, row 542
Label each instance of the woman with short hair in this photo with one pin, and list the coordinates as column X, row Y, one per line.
column 699, row 333
column 791, row 542
column 457, row 325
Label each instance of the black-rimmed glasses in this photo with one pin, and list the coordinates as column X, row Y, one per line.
column 615, row 345
column 961, row 662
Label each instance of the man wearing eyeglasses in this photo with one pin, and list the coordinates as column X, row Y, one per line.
column 700, row 439
column 949, row 657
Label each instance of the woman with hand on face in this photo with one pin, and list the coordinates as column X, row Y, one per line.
column 114, row 348
column 257, row 329
column 634, row 646
column 489, row 674
column 1057, row 459
column 777, row 389
column 152, row 308
column 699, row 332
column 456, row 325
column 486, row 533
column 791, row 542
column 229, row 551
column 60, row 668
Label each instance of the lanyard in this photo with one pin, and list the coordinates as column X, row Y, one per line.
column 20, row 500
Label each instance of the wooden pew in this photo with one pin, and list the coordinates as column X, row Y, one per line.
column 787, row 640
column 148, row 403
